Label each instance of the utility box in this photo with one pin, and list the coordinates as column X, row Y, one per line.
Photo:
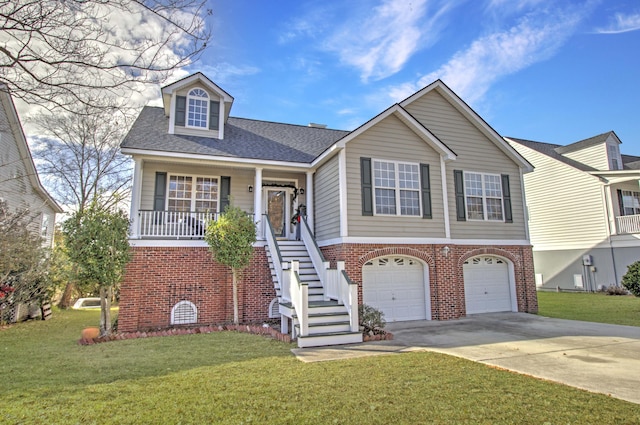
column 587, row 260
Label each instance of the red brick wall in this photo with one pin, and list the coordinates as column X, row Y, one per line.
column 445, row 273
column 159, row 277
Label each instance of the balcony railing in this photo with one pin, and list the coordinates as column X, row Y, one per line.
column 173, row 224
column 627, row 224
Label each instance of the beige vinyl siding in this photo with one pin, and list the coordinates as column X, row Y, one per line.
column 327, row 200
column 593, row 156
column 240, row 181
column 15, row 185
column 392, row 140
column 476, row 153
column 565, row 204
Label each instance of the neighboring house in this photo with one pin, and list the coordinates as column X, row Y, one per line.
column 20, row 186
column 584, row 211
column 418, row 212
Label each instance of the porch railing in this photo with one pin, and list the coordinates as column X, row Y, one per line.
column 173, row 224
column 319, row 262
column 628, row 224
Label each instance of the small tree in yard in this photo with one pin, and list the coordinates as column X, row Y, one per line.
column 230, row 240
column 631, row 280
column 97, row 242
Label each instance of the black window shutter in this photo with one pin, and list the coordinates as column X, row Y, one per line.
column 181, row 110
column 214, row 115
column 225, row 192
column 458, row 179
column 621, row 202
column 160, row 191
column 367, row 187
column 506, row 199
column 425, row 183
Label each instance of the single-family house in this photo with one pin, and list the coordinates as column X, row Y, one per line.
column 584, row 211
column 21, row 189
column 20, row 186
column 419, row 212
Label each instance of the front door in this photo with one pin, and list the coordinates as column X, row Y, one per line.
column 276, row 208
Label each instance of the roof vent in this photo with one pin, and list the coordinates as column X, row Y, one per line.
column 315, row 125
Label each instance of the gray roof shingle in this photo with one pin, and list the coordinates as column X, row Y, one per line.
column 551, row 150
column 243, row 138
column 591, row 141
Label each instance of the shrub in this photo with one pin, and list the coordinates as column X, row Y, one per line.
column 631, row 280
column 371, row 319
column 615, row 290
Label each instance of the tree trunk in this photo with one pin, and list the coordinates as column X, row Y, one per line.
column 67, row 295
column 236, row 318
column 105, row 310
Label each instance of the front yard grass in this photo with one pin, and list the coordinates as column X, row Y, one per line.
column 590, row 307
column 234, row 378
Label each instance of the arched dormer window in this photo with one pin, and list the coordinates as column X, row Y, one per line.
column 198, row 109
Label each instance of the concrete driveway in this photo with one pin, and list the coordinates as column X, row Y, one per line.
column 593, row 356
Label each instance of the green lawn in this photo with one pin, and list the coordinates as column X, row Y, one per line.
column 233, row 378
column 590, row 307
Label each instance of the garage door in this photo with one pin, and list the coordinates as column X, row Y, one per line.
column 486, row 285
column 396, row 285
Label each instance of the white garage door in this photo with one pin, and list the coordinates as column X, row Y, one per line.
column 486, row 285
column 396, row 285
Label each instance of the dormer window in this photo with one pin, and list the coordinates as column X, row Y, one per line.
column 613, row 152
column 198, row 109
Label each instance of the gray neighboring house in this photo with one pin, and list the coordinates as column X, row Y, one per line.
column 584, row 211
column 21, row 188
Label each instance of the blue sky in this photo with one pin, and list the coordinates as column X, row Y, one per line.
column 547, row 70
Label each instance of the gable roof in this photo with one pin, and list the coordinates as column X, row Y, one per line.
column 23, row 148
column 586, row 143
column 198, row 76
column 475, row 119
column 551, row 150
column 243, row 138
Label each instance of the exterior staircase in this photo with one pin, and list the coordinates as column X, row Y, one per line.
column 328, row 320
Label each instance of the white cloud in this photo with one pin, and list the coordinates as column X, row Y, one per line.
column 471, row 72
column 379, row 43
column 622, row 23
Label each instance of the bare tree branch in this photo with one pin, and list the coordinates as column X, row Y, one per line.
column 60, row 53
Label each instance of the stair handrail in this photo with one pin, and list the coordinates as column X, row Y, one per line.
column 274, row 248
column 317, row 259
column 299, row 297
column 349, row 294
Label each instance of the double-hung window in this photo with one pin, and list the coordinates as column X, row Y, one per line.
column 397, row 188
column 630, row 202
column 483, row 196
column 198, row 109
column 196, row 194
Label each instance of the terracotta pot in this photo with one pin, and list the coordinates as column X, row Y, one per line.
column 90, row 333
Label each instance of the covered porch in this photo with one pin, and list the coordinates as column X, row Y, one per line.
column 174, row 200
column 622, row 192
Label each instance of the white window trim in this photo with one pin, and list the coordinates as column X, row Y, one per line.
column 484, row 197
column 613, row 154
column 186, row 117
column 194, row 178
column 396, row 188
column 634, row 194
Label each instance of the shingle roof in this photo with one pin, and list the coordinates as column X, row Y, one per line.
column 630, row 162
column 243, row 138
column 552, row 151
column 591, row 141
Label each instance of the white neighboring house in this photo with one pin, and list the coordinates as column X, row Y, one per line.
column 584, row 211
column 20, row 186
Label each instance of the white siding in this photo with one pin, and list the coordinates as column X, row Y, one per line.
column 593, row 156
column 392, row 140
column 15, row 183
column 565, row 204
column 327, row 200
column 475, row 153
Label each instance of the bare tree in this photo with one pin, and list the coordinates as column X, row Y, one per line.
column 79, row 157
column 61, row 53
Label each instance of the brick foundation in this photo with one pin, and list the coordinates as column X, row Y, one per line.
column 445, row 273
column 159, row 277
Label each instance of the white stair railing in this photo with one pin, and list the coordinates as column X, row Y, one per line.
column 275, row 254
column 319, row 263
column 299, row 298
column 349, row 293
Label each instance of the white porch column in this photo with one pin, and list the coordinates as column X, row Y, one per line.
column 257, row 202
column 135, row 197
column 309, row 199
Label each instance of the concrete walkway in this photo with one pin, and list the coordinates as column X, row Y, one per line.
column 593, row 356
